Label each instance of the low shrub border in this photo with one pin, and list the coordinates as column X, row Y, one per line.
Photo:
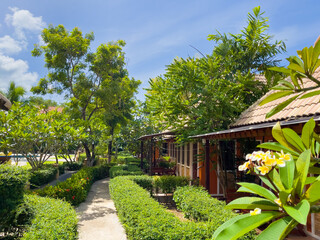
column 75, row 189
column 198, row 205
column 125, row 170
column 168, row 184
column 50, row 219
column 145, row 218
column 42, row 176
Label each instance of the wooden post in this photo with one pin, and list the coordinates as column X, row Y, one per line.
column 207, row 164
column 150, row 156
column 141, row 154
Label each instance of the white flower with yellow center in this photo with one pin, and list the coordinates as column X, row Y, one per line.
column 280, row 162
column 270, row 160
column 264, row 169
column 244, row 166
column 285, row 157
column 256, row 211
column 277, row 201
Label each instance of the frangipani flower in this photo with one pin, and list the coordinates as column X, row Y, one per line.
column 264, row 169
column 244, row 166
column 256, row 211
column 280, row 162
column 285, row 157
column 277, row 201
column 270, row 160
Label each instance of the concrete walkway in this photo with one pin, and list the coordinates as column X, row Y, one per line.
column 97, row 215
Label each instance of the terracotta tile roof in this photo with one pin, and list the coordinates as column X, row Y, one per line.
column 299, row 108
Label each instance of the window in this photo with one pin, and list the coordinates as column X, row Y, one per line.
column 227, row 154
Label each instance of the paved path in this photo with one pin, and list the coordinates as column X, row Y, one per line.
column 61, row 178
column 97, row 215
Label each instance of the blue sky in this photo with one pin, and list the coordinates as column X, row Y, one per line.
column 155, row 31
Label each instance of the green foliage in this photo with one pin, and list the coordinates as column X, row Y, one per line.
column 12, row 183
column 293, row 194
column 50, row 219
column 145, row 218
column 14, row 93
column 168, row 184
column 207, row 94
column 97, row 84
column 143, row 181
column 75, row 189
column 124, row 170
column 43, row 176
column 303, row 66
column 73, row 166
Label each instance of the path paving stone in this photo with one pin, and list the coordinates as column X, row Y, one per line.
column 98, row 218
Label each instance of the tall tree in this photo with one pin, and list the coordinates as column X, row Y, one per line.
column 198, row 95
column 14, row 93
column 92, row 82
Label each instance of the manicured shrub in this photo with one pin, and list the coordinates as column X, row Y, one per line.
column 125, row 170
column 145, row 218
column 42, row 176
column 198, row 205
column 168, row 184
column 50, row 219
column 75, row 189
column 143, row 181
column 73, row 166
column 12, row 183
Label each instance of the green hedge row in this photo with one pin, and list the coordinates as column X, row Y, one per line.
column 50, row 219
column 144, row 218
column 198, row 205
column 12, row 184
column 168, row 184
column 42, row 176
column 125, row 170
column 75, row 189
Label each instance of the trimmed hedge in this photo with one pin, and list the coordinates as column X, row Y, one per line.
column 198, row 205
column 73, row 166
column 168, row 184
column 75, row 189
column 50, row 219
column 42, row 176
column 12, row 184
column 145, row 218
column 125, row 170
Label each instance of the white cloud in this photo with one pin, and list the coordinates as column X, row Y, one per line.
column 17, row 71
column 8, row 45
column 23, row 21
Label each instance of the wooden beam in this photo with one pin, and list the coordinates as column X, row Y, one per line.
column 141, row 150
column 207, row 164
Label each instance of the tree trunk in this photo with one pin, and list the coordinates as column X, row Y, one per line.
column 88, row 155
column 110, row 145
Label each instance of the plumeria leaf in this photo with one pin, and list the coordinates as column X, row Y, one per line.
column 256, row 189
column 299, row 212
column 275, row 178
column 301, row 173
column 240, row 225
column 252, row 203
column 313, row 193
column 281, row 106
column 279, row 136
column 278, row 229
column 275, row 96
column 293, row 139
column 287, row 174
column 307, row 133
column 274, row 146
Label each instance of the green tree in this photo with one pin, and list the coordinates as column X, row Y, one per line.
column 93, row 83
column 40, row 101
column 14, row 93
column 29, row 131
column 198, row 95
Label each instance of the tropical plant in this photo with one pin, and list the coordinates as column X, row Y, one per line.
column 292, row 192
column 208, row 93
column 14, row 92
column 94, row 83
column 303, row 66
